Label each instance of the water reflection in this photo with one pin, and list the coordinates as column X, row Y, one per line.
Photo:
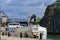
column 53, row 37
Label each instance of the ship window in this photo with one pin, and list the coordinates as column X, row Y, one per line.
column 23, row 24
column 13, row 24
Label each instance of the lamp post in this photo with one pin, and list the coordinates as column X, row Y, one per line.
column 28, row 20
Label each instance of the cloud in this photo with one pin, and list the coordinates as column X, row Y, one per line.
column 5, row 1
column 21, row 8
column 49, row 2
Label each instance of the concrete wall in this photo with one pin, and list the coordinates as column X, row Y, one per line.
column 28, row 30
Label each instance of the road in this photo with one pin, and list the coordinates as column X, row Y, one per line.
column 15, row 38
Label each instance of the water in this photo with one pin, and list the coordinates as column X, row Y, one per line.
column 53, row 36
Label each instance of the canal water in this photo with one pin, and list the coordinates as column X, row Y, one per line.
column 53, row 36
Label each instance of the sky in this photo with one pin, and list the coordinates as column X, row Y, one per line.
column 24, row 8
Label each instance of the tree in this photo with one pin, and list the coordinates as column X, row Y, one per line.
column 58, row 5
column 58, row 1
column 38, row 19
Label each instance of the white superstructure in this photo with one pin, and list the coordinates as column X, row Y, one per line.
column 14, row 25
column 36, row 29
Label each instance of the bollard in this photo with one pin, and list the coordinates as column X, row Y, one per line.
column 41, row 35
column 20, row 34
column 8, row 34
column 25, row 34
column 3, row 33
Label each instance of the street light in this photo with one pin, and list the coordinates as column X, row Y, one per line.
column 28, row 20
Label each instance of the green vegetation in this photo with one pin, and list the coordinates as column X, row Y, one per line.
column 58, row 6
column 38, row 19
column 58, row 1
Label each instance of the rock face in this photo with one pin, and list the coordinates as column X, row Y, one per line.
column 56, row 20
column 51, row 19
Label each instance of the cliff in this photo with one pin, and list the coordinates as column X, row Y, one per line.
column 51, row 18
